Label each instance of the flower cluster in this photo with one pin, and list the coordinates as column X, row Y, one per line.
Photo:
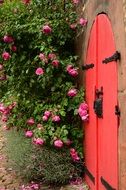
column 38, row 141
column 46, row 115
column 6, row 55
column 83, row 111
column 31, row 186
column 74, row 154
column 6, row 110
column 54, row 118
column 10, row 41
column 72, row 71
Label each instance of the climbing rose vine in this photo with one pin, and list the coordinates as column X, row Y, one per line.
column 39, row 73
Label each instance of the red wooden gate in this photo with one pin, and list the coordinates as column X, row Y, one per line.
column 101, row 94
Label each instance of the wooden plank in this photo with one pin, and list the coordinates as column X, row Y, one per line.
column 108, row 126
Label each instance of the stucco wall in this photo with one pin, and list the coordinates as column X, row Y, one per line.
column 116, row 11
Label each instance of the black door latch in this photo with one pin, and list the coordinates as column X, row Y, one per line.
column 98, row 103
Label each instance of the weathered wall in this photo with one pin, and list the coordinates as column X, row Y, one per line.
column 116, row 11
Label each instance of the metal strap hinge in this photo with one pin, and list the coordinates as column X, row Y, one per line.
column 87, row 66
column 117, row 110
column 106, row 184
column 116, row 56
column 89, row 174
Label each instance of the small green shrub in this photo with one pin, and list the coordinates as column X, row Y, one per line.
column 52, row 166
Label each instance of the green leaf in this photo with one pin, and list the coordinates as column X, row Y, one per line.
column 63, row 113
column 65, row 132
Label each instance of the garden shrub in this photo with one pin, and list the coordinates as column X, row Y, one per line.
column 53, row 166
column 39, row 72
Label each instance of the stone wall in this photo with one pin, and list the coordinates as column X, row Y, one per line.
column 116, row 11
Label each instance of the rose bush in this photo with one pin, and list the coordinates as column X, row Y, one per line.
column 39, row 72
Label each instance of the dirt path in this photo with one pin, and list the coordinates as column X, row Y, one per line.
column 10, row 181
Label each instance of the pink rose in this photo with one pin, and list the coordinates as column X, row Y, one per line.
column 73, row 72
column 30, row 121
column 58, row 143
column 4, row 118
column 73, row 26
column 77, row 181
column 26, row 1
column 10, row 107
column 6, row 56
column 1, row 67
column 39, row 125
column 55, row 63
column 83, row 106
column 35, row 186
column 2, row 108
column 83, row 21
column 82, row 112
column 45, row 118
column 52, row 56
column 68, row 142
column 56, row 118
column 13, row 48
column 47, row 113
column 74, row 154
column 39, row 71
column 5, row 127
column 29, row 134
column 8, row 39
column 14, row 104
column 1, row 2
column 85, row 118
column 7, row 111
column 46, row 29
column 3, row 77
column 43, row 57
column 72, row 151
column 69, row 67
column 38, row 141
column 72, row 92
column 76, row 1
column 75, row 157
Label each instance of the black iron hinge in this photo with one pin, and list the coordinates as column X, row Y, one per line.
column 87, row 66
column 89, row 174
column 117, row 110
column 116, row 56
column 106, row 184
